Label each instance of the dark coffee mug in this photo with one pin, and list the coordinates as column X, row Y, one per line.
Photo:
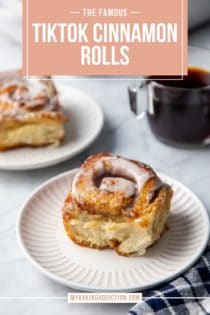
column 178, row 111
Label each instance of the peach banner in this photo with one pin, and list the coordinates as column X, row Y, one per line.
column 127, row 37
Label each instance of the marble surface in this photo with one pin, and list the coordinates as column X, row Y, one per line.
column 121, row 134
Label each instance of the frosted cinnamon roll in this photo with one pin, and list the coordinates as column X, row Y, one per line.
column 30, row 113
column 116, row 203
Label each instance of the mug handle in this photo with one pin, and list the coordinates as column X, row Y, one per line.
column 133, row 99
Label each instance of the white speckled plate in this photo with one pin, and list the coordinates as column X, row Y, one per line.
column 85, row 124
column 42, row 238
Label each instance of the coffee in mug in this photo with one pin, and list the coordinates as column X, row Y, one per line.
column 178, row 110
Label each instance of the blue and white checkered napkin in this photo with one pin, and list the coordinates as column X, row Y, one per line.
column 188, row 294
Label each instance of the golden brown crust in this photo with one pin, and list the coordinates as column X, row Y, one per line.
column 72, row 206
column 33, row 145
column 161, row 204
column 33, row 132
column 108, row 202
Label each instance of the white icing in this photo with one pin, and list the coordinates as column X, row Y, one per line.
column 125, row 168
column 28, row 94
column 114, row 184
column 118, row 167
column 35, row 88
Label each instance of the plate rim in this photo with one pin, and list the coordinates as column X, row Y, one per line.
column 85, row 288
column 67, row 155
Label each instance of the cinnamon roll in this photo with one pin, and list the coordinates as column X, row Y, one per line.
column 116, row 203
column 30, row 114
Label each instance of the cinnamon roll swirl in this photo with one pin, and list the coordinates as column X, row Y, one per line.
column 116, row 203
column 30, row 114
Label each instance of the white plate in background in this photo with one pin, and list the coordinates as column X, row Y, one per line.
column 85, row 124
column 43, row 239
